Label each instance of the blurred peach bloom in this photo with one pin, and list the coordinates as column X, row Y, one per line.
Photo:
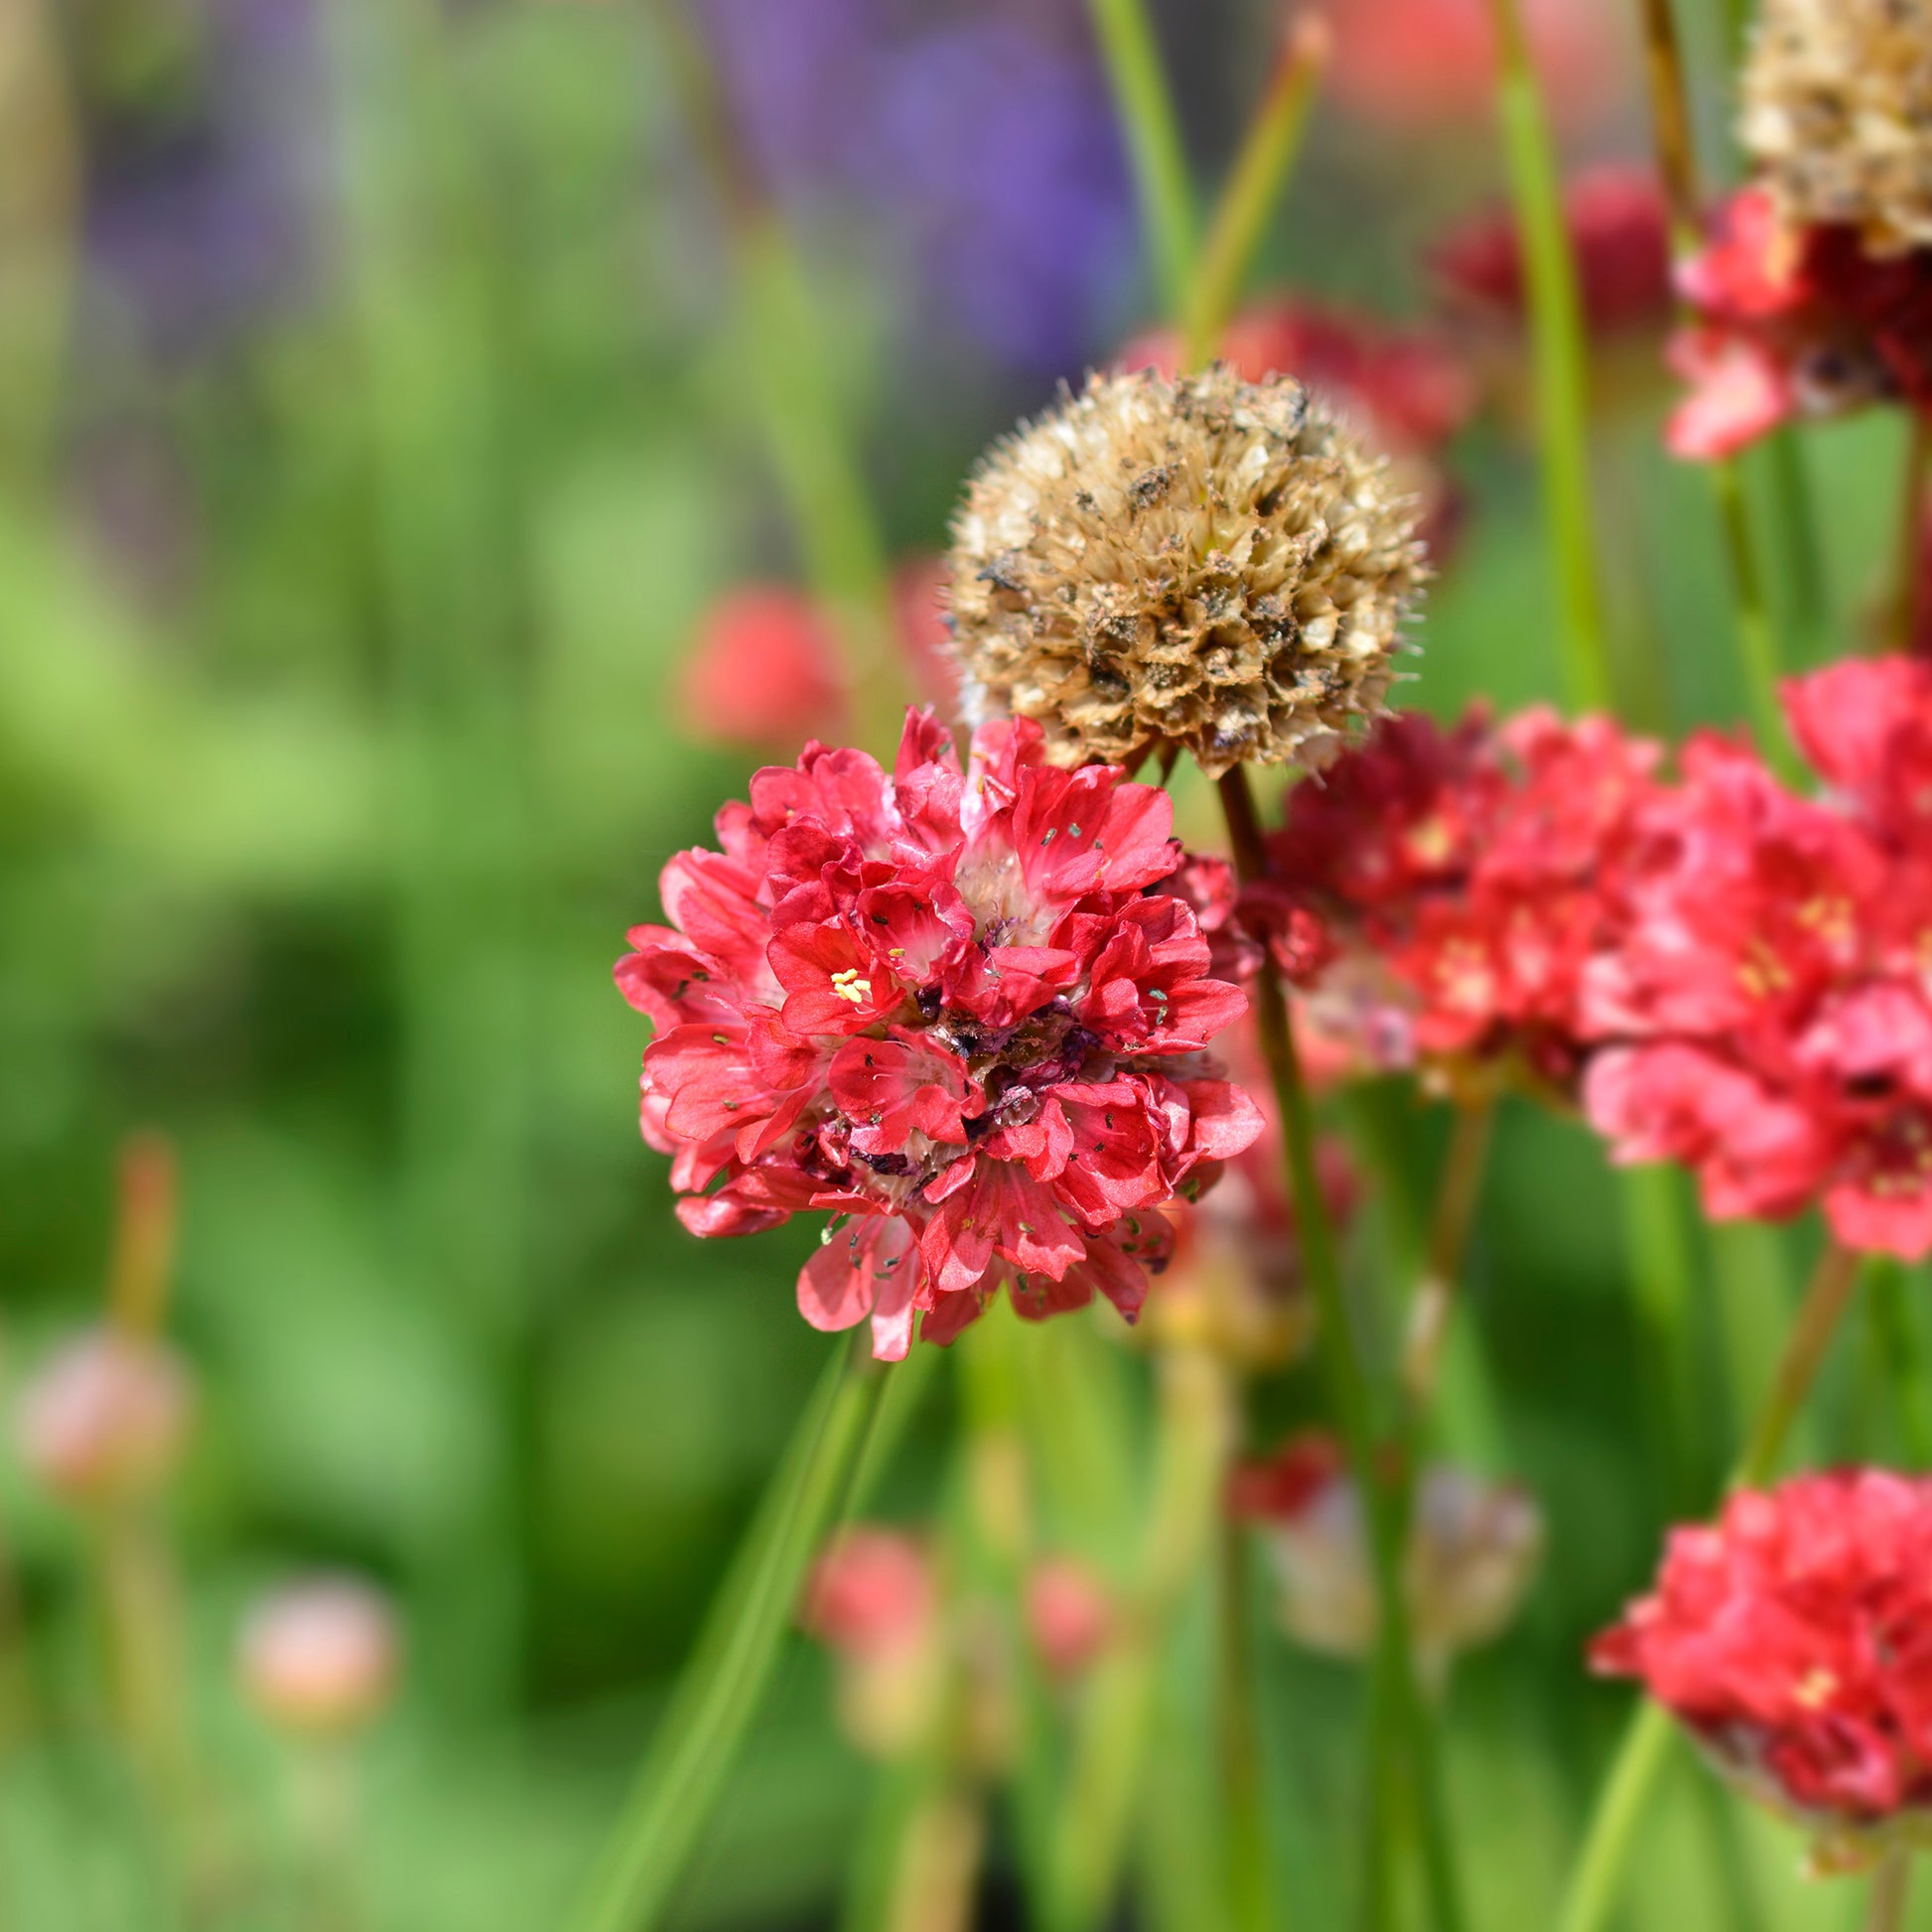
column 321, row 1655
column 106, row 1417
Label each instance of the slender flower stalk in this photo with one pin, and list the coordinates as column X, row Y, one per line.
column 1452, row 1221
column 1254, row 186
column 1909, row 568
column 699, row 1736
column 1599, row 1874
column 1145, row 106
column 1892, row 1885
column 1396, row 1695
column 1251, row 1887
column 1557, row 344
column 1795, row 519
column 817, row 472
column 1757, row 643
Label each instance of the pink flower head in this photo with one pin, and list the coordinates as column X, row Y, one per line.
column 1405, row 389
column 106, row 1416
column 1794, row 1642
column 1766, row 1009
column 871, row 1594
column 1407, row 63
column 1619, row 233
column 1794, row 322
column 1068, row 1614
column 320, row 1655
column 1473, row 1548
column 1466, row 880
column 764, row 670
column 951, row 1009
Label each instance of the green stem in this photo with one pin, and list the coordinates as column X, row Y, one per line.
column 1891, row 1884
column 1557, row 346
column 717, row 1695
column 1451, row 1223
column 1599, row 1874
column 1757, row 643
column 1662, row 1274
column 1796, row 541
column 818, row 469
column 1906, row 613
column 1901, row 1359
column 1251, row 1887
column 1254, row 186
column 1148, row 120
column 1409, row 1715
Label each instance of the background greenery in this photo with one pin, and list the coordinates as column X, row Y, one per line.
column 340, row 621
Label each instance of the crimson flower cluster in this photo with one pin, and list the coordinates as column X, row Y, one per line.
column 1794, row 322
column 1768, row 1004
column 954, row 1010
column 1794, row 1640
column 1464, row 879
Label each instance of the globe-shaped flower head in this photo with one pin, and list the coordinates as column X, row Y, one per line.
column 1200, row 564
column 1838, row 112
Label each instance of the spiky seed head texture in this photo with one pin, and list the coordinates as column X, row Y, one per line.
column 1197, row 564
column 1838, row 112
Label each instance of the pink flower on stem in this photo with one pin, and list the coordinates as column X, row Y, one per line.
column 1793, row 1639
column 1791, row 322
column 1766, row 1010
column 952, row 1010
column 1464, row 879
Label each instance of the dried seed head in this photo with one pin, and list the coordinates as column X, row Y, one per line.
column 1838, row 111
column 1200, row 564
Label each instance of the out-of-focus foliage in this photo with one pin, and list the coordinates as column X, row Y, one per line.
column 377, row 427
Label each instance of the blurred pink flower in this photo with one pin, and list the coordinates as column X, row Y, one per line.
column 106, row 1417
column 764, row 671
column 320, row 1655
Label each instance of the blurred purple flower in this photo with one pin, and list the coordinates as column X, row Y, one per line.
column 984, row 146
column 201, row 193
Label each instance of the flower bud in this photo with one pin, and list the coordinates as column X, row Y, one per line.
column 106, row 1417
column 1068, row 1614
column 319, row 1656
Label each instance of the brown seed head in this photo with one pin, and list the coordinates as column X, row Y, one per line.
column 1197, row 564
column 1838, row 112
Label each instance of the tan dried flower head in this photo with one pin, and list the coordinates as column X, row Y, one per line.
column 1838, row 111
column 1202, row 564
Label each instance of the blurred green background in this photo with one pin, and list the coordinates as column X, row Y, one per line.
column 377, row 420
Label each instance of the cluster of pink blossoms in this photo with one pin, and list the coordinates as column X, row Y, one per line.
column 1769, row 1002
column 1794, row 1640
column 953, row 1010
column 1464, row 881
column 1794, row 322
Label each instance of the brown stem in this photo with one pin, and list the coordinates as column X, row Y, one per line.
column 1890, row 1883
column 1826, row 1298
column 1669, row 112
column 1450, row 1222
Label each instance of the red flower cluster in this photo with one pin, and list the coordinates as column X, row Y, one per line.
column 1794, row 322
column 1619, row 232
column 950, row 1009
column 1466, row 879
column 1769, row 994
column 1795, row 1640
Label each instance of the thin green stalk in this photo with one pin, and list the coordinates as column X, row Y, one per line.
column 1407, row 1716
column 1146, row 110
column 1103, row 1779
column 1795, row 518
column 841, row 546
column 1908, row 567
column 718, row 1693
column 1891, row 1887
column 1254, row 186
column 1599, row 1870
column 1757, row 643
column 1662, row 1273
column 1558, row 348
column 1903, row 1365
column 1451, row 1223
column 1251, row 1885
